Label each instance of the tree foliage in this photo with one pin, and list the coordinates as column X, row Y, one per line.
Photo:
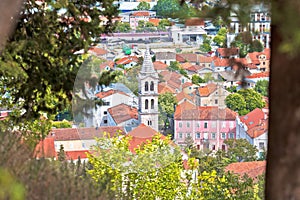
column 167, row 102
column 262, row 86
column 196, row 79
column 171, row 8
column 240, row 150
column 143, row 6
column 38, row 64
column 163, row 23
column 123, row 27
column 220, row 38
column 244, row 101
column 206, row 45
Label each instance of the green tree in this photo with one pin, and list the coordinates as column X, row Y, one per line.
column 143, row 6
column 262, row 87
column 239, row 150
column 205, row 46
column 167, row 8
column 38, row 64
column 163, row 23
column 196, row 79
column 256, row 46
column 220, row 38
column 123, row 27
column 174, row 66
column 208, row 77
column 237, row 103
column 167, row 102
column 244, row 101
column 61, row 156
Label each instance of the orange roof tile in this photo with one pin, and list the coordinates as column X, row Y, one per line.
column 163, row 88
column 97, row 51
column 207, row 90
column 204, row 113
column 108, row 63
column 189, row 57
column 259, row 75
column 181, row 96
column 127, row 60
column 186, row 65
column 45, row 149
column 187, row 84
column 104, row 94
column 252, row 169
column 205, row 59
column 122, row 112
column 227, row 52
column 141, row 14
column 225, row 62
column 74, row 155
column 158, row 65
column 154, row 21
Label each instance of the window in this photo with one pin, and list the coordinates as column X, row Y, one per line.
column 152, row 103
column 188, row 135
column 146, row 104
column 146, row 86
column 180, row 135
column 213, row 135
column 149, row 122
column 223, row 147
column 213, row 124
column 261, row 145
column 106, row 103
column 152, row 86
column 205, row 124
column 198, row 135
column 231, row 135
column 105, row 112
column 205, row 136
column 188, row 124
column 105, row 121
column 83, row 145
column 180, row 124
column 213, row 147
column 198, row 124
column 231, row 124
column 216, row 101
column 223, row 136
column 223, row 124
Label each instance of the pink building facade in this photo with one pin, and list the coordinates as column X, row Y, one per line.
column 207, row 126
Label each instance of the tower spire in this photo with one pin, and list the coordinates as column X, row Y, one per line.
column 147, row 67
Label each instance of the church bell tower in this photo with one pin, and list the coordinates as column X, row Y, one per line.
column 148, row 93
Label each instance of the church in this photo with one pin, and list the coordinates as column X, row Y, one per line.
column 148, row 93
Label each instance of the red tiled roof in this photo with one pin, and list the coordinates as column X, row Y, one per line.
column 189, row 57
column 194, row 22
column 186, row 65
column 122, row 112
column 74, row 155
column 108, row 63
column 158, row 65
column 204, row 113
column 141, row 13
column 205, row 59
column 252, row 169
column 143, row 131
column 167, row 75
column 207, row 90
column 45, row 149
column 104, row 94
column 64, row 134
column 127, row 60
column 154, row 21
column 227, row 52
column 259, row 75
column 222, row 62
column 97, row 51
column 186, row 105
column 254, row 57
column 187, row 84
column 181, row 96
column 163, row 88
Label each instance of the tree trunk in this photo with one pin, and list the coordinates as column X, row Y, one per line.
column 283, row 160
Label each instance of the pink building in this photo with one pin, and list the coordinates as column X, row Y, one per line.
column 208, row 126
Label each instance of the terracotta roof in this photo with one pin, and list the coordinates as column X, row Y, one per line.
column 258, row 130
column 181, row 96
column 143, row 131
column 108, row 63
column 104, row 94
column 74, row 155
column 187, row 84
column 167, row 75
column 122, row 112
column 194, row 22
column 45, row 149
column 165, row 56
column 127, row 60
column 186, row 65
column 205, row 59
column 254, row 57
column 163, row 88
column 189, row 57
column 158, row 65
column 222, row 62
column 252, row 169
column 194, row 68
column 175, row 84
column 207, row 90
column 204, row 113
column 154, row 21
column 97, row 51
column 141, row 13
column 65, row 134
column 267, row 52
column 258, row 75
column 186, row 105
column 227, row 52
